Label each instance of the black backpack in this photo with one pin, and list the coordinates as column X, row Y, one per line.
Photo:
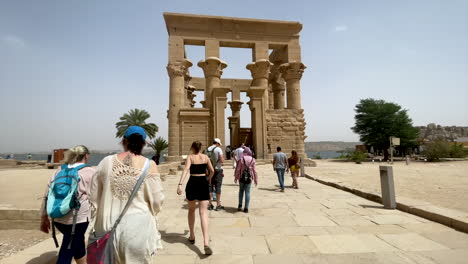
column 246, row 176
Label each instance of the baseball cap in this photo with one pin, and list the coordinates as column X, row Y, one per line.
column 135, row 130
column 217, row 140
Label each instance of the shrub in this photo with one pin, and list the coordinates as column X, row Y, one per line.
column 317, row 156
column 436, row 150
column 457, row 151
column 358, row 157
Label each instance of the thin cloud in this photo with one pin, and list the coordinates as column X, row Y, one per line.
column 341, row 28
column 13, row 41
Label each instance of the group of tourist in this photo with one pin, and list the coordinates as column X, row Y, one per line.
column 124, row 193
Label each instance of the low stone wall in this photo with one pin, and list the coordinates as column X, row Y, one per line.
column 8, row 163
column 19, row 219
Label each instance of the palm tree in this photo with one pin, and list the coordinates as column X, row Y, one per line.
column 136, row 117
column 158, row 145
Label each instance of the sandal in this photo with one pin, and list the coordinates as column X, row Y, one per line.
column 191, row 241
column 208, row 251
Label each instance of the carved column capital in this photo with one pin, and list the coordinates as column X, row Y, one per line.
column 292, row 70
column 235, row 105
column 212, row 66
column 179, row 68
column 260, row 69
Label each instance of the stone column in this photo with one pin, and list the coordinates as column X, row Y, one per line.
column 292, row 73
column 219, row 100
column 277, row 86
column 257, row 107
column 234, row 122
column 212, row 68
column 176, row 71
column 258, row 104
column 190, row 96
column 187, row 90
column 260, row 71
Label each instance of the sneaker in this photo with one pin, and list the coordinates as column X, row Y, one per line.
column 219, row 207
column 239, row 208
column 282, row 190
column 210, row 207
column 246, row 210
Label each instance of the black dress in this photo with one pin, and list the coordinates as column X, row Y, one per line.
column 197, row 186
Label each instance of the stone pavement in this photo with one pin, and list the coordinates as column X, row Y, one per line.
column 313, row 224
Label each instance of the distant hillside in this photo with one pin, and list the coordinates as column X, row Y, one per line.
column 329, row 145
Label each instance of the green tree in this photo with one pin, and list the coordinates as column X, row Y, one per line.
column 377, row 120
column 136, row 117
column 159, row 144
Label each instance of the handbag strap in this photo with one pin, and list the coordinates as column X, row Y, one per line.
column 134, row 192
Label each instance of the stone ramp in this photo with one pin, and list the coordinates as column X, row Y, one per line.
column 313, row 224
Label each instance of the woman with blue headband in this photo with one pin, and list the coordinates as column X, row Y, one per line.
column 126, row 195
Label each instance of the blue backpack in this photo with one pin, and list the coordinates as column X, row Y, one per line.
column 63, row 195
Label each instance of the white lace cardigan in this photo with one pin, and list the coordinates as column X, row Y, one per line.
column 137, row 237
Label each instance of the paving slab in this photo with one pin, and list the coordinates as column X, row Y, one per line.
column 315, row 224
column 343, row 244
column 411, row 242
column 290, row 244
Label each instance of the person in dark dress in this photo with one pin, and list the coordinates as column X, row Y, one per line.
column 197, row 190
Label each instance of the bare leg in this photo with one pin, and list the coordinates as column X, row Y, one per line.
column 192, row 205
column 294, row 176
column 218, row 199
column 81, row 260
column 204, row 220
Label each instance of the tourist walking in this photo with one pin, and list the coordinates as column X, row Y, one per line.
column 73, row 176
column 126, row 193
column 215, row 154
column 294, row 166
column 245, row 174
column 280, row 163
column 228, row 152
column 237, row 154
column 197, row 189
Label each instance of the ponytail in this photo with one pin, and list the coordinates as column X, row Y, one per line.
column 75, row 154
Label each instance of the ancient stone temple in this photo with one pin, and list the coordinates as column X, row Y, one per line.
column 274, row 91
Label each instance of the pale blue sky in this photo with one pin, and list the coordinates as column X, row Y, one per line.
column 69, row 69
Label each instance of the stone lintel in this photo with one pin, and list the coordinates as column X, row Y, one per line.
column 256, row 92
column 184, row 25
column 242, row 84
column 194, row 112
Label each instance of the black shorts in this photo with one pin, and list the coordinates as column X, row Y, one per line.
column 197, row 189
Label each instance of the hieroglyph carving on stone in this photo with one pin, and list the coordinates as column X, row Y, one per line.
column 212, row 66
column 292, row 70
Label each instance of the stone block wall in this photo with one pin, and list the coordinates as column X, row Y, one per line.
column 285, row 128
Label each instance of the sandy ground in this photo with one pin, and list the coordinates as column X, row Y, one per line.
column 444, row 183
column 12, row 241
column 23, row 188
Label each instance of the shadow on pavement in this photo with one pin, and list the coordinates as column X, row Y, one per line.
column 373, row 206
column 173, row 238
column 46, row 258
